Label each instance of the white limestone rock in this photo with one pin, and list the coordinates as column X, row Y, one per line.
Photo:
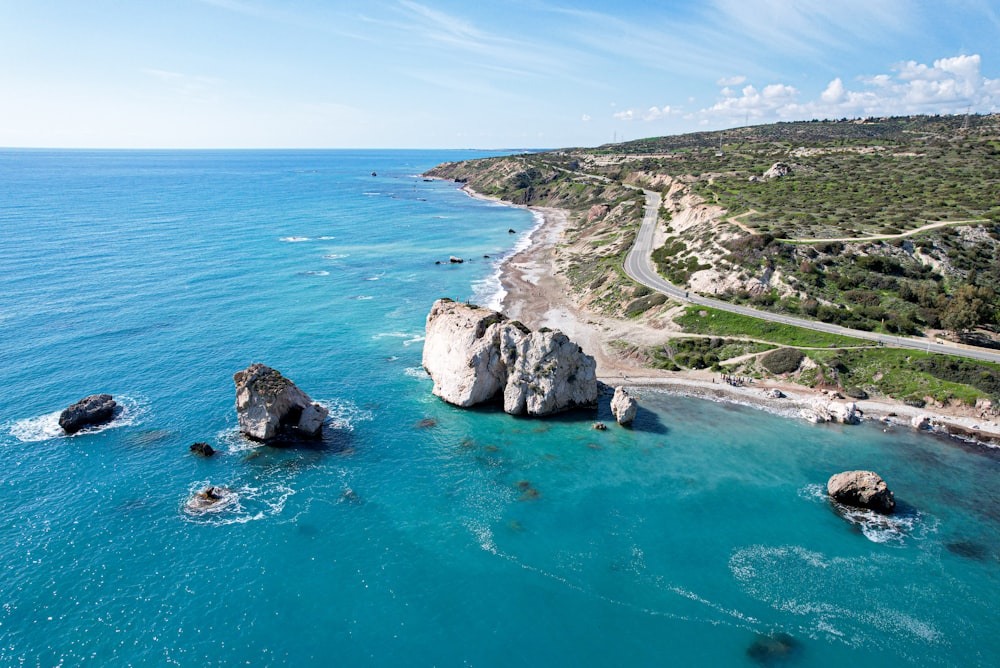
column 623, row 406
column 267, row 403
column 832, row 411
column 921, row 421
column 474, row 354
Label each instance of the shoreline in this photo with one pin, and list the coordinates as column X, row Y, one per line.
column 535, row 294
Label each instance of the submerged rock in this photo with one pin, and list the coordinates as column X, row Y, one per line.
column 211, row 496
column 623, row 406
column 93, row 410
column 861, row 489
column 474, row 355
column 770, row 649
column 268, row 404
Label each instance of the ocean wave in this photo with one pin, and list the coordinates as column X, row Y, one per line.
column 394, row 335
column 294, row 240
column 315, row 272
column 376, row 277
column 345, row 414
column 415, row 372
column 326, row 238
column 363, row 298
column 336, row 256
column 840, row 598
column 129, row 412
column 236, row 505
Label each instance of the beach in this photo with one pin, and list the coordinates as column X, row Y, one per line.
column 537, row 294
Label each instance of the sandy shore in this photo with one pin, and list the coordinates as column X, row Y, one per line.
column 539, row 297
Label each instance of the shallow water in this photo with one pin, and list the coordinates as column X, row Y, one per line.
column 483, row 539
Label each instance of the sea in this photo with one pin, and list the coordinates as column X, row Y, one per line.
column 413, row 533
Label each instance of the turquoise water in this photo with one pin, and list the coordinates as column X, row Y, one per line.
column 482, row 540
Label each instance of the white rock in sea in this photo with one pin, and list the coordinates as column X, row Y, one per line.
column 922, row 421
column 623, row 406
column 268, row 403
column 474, row 354
column 832, row 411
column 861, row 489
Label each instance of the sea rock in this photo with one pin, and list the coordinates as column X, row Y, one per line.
column 623, row 406
column 774, row 393
column 922, row 421
column 832, row 411
column 600, row 426
column 92, row 410
column 203, row 449
column 474, row 355
column 455, row 260
column 778, row 170
column 861, row 489
column 268, row 404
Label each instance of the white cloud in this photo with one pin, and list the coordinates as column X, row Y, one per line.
column 949, row 85
column 587, row 118
column 731, row 81
column 651, row 114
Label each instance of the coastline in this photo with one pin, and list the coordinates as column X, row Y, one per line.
column 533, row 292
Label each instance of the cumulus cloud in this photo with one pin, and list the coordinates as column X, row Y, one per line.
column 586, row 118
column 949, row 85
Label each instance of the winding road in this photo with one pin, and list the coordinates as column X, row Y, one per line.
column 639, row 267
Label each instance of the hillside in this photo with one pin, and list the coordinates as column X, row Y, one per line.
column 887, row 225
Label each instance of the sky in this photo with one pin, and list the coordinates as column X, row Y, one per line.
column 450, row 74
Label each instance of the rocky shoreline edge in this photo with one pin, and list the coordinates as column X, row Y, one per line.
column 536, row 295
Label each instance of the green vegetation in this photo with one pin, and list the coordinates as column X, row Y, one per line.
column 703, row 320
column 782, row 360
column 701, row 352
column 908, row 375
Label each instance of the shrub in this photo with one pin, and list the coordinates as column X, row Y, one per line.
column 782, row 360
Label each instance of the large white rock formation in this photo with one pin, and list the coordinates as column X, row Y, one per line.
column 268, row 403
column 474, row 354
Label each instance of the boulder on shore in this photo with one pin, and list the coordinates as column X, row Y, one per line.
column 268, row 404
column 93, row 410
column 861, row 489
column 623, row 406
column 832, row 411
column 474, row 355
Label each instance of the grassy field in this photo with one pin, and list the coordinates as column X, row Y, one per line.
column 723, row 323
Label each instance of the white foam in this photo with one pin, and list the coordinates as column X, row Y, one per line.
column 293, row 240
column 336, row 256
column 489, row 292
column 415, row 339
column 415, row 372
column 363, row 298
column 318, row 272
column 129, row 412
column 394, row 335
column 326, row 238
column 344, row 413
column 238, row 505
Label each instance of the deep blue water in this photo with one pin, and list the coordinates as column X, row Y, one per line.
column 483, row 540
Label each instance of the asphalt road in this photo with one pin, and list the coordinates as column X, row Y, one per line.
column 639, row 267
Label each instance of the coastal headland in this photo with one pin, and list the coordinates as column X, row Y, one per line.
column 571, row 277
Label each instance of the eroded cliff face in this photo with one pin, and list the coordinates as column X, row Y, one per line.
column 474, row 354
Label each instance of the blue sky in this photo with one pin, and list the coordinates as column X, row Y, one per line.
column 443, row 73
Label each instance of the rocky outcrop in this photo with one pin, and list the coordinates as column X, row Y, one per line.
column 474, row 355
column 268, row 404
column 93, row 410
column 623, row 406
column 832, row 411
column 861, row 489
column 774, row 393
column 921, row 421
column 202, row 448
column 778, row 170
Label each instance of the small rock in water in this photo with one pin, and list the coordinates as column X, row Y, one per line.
column 600, row 426
column 455, row 260
column 426, row 423
column 93, row 410
column 351, row 496
column 208, row 497
column 203, row 449
column 511, row 231
column 770, row 649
